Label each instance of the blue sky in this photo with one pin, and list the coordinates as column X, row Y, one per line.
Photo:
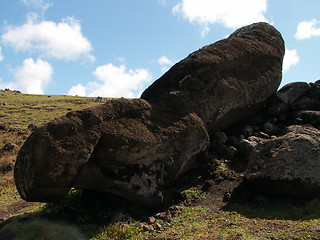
column 116, row 48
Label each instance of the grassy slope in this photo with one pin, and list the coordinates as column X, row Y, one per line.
column 187, row 220
column 17, row 111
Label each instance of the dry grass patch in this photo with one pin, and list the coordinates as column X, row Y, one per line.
column 17, row 112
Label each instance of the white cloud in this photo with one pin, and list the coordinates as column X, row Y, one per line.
column 62, row 40
column 229, row 13
column 1, row 56
column 291, row 58
column 115, row 82
column 162, row 2
column 78, row 90
column 165, row 63
column 38, row 4
column 31, row 77
column 205, row 30
column 121, row 59
column 306, row 30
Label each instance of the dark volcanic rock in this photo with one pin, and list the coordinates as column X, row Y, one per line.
column 2, row 126
column 32, row 127
column 314, row 92
column 311, row 117
column 287, row 95
column 287, row 165
column 9, row 146
column 113, row 148
column 303, row 103
column 222, row 82
column 6, row 167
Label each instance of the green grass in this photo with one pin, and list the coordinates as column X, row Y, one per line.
column 122, row 231
column 192, row 195
column 202, row 223
column 17, row 111
column 23, row 109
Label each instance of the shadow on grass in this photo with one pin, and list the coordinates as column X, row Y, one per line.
column 255, row 205
column 91, row 211
column 89, row 208
column 81, row 213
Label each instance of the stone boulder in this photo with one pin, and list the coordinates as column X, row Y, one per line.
column 288, row 165
column 287, row 95
column 114, row 148
column 8, row 146
column 222, row 82
column 310, row 117
column 314, row 93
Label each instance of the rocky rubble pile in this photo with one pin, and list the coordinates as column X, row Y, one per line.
column 280, row 144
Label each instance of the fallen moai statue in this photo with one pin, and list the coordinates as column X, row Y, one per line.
column 134, row 148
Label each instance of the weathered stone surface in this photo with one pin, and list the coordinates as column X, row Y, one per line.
column 311, row 117
column 222, row 82
column 314, row 92
column 302, row 103
column 288, row 165
column 287, row 95
column 246, row 146
column 113, row 148
column 247, row 131
column 269, row 128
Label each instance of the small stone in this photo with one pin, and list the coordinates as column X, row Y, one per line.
column 151, row 220
column 247, row 131
column 6, row 167
column 221, row 137
column 263, row 135
column 269, row 128
column 246, row 146
column 226, row 196
column 2, row 126
column 161, row 215
column 252, row 138
column 232, row 151
column 32, row 127
column 256, row 129
column 241, row 137
column 9, row 146
column 164, row 216
column 146, row 227
column 158, row 226
column 298, row 121
column 233, row 141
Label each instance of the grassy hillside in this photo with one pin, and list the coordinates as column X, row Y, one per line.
column 192, row 213
column 17, row 112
